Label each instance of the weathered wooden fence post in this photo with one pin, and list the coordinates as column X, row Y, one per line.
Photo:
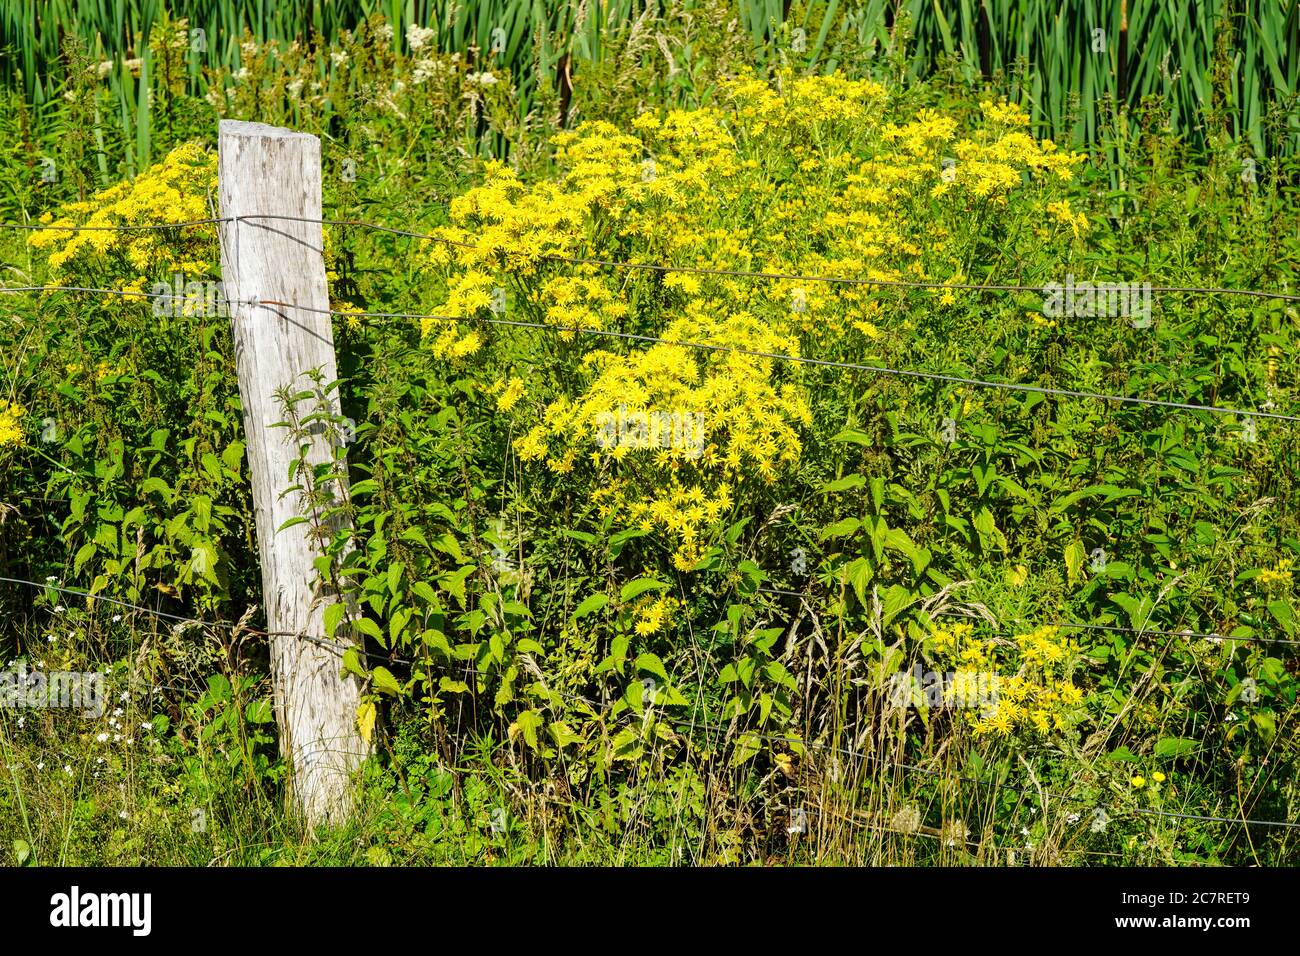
column 269, row 171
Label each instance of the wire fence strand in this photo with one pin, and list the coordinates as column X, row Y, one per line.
column 703, row 346
column 708, row 347
column 681, row 724
column 798, row 359
column 641, row 266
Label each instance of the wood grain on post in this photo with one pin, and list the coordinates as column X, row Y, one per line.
column 269, row 171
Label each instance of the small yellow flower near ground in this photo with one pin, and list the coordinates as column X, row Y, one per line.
column 1158, row 777
column 1279, row 574
column 11, row 428
column 1139, row 782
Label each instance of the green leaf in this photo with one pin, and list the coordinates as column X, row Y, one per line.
column 333, row 614
column 638, row 587
column 856, row 437
column 1074, row 555
column 841, row 528
column 591, row 603
column 1266, row 723
column 734, row 532
column 437, row 640
column 627, row 744
column 211, row 465
column 425, row 592
column 528, row 723
column 651, row 664
column 561, row 734
column 454, row 583
column 1175, row 747
column 384, row 681
column 233, row 456
column 369, row 628
column 748, row 745
column 156, row 486
column 777, row 671
column 847, row 483
column 258, row 712
column 859, row 573
column 352, row 663
column 84, row 554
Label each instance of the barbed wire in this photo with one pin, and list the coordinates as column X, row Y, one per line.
column 780, row 356
column 703, row 346
column 769, row 275
column 680, row 724
column 759, row 274
column 1192, row 635
column 640, row 266
column 126, row 293
column 1188, row 634
column 116, row 227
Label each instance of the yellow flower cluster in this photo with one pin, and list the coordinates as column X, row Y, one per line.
column 685, row 514
column 103, row 369
column 655, row 614
column 508, row 393
column 1038, row 697
column 353, row 315
column 11, row 423
column 804, row 101
column 1061, row 212
column 1004, row 113
column 581, row 302
column 170, row 192
column 728, row 419
column 1140, row 781
column 1279, row 575
column 804, row 177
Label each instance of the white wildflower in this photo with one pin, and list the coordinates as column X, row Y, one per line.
column 417, row 38
column 424, row 69
column 907, row 820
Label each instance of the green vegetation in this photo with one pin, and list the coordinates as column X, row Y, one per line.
column 580, row 649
